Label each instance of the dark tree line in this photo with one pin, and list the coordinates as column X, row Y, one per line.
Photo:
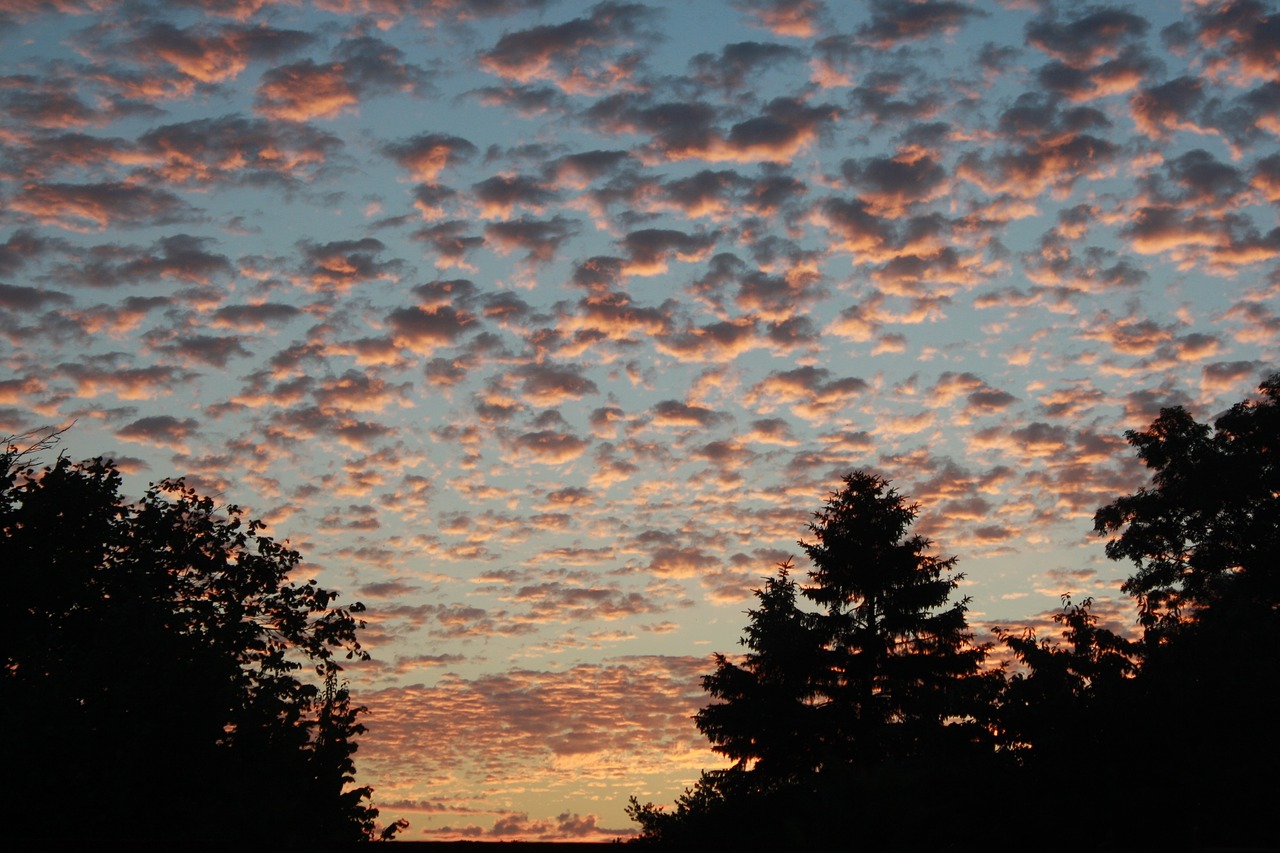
column 864, row 714
column 155, row 670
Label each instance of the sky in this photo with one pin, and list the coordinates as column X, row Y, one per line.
column 542, row 327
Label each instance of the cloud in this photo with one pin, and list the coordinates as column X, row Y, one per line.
column 1169, row 107
column 180, row 257
column 550, row 447
column 857, row 230
column 1196, row 180
column 424, row 330
column 106, row 375
column 255, row 317
column 687, row 130
column 794, row 18
column 676, row 562
column 550, row 385
column 1220, row 243
column 97, row 206
column 451, row 242
column 785, row 129
column 1266, row 178
column 780, row 298
column 539, row 239
column 1113, row 77
column 426, row 155
column 342, row 264
column 213, row 54
column 1238, row 37
column 498, row 195
column 564, row 826
column 354, row 391
column 651, row 249
column 980, row 398
column 305, row 90
column 889, row 186
column 560, row 603
column 1054, row 150
column 1223, row 376
column 892, row 22
column 579, row 169
column 160, row 431
column 53, row 100
column 24, row 247
column 716, row 342
column 706, row 193
column 234, row 150
column 1095, row 36
column 362, row 67
column 433, row 200
column 18, row 298
column 213, row 350
column 736, row 62
column 576, row 724
column 563, row 53
column 410, row 663
column 528, row 101
column 876, row 99
column 771, row 431
column 808, row 391
column 673, row 413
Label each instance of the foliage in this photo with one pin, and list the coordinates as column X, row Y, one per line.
column 151, row 672
column 854, row 702
column 902, row 679
column 765, row 716
column 874, row 703
column 1204, row 538
column 1052, row 705
column 698, row 815
column 1208, row 528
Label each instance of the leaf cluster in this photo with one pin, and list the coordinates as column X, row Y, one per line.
column 158, row 654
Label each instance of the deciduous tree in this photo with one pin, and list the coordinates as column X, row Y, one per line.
column 153, row 669
column 1204, row 538
column 1207, row 529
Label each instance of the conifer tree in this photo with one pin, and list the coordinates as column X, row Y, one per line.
column 902, row 680
column 856, row 702
column 765, row 717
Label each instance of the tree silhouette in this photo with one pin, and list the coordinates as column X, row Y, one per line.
column 856, row 705
column 1204, row 538
column 902, row 679
column 151, row 668
column 1064, row 717
column 765, row 719
column 1058, row 702
column 1208, row 529
column 869, row 706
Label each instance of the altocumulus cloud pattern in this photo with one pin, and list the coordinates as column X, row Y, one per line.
column 542, row 326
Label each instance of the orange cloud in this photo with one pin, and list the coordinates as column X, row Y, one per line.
column 304, row 91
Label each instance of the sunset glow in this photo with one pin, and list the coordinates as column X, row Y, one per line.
column 542, row 327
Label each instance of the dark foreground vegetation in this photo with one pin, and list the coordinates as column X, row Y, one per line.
column 151, row 683
column 165, row 678
column 866, row 718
